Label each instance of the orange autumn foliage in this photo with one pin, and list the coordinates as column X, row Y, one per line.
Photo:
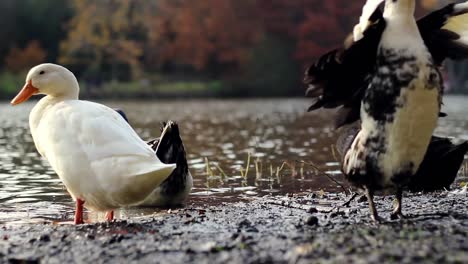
column 203, row 33
column 22, row 59
column 326, row 24
column 215, row 36
column 101, row 33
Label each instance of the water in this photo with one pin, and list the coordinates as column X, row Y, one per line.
column 278, row 136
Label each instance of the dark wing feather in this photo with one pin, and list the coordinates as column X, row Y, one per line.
column 440, row 165
column 442, row 32
column 340, row 77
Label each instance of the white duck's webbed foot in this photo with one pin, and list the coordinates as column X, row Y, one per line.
column 110, row 216
column 79, row 212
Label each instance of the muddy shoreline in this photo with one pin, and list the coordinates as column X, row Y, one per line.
column 279, row 229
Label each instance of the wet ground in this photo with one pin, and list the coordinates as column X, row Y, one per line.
column 310, row 228
column 254, row 200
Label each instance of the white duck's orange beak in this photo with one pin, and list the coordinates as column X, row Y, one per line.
column 25, row 93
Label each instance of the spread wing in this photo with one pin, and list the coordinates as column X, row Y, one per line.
column 445, row 32
column 340, row 77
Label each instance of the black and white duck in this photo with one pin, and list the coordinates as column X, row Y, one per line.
column 387, row 78
column 169, row 148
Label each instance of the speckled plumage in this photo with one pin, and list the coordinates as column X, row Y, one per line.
column 387, row 100
column 387, row 78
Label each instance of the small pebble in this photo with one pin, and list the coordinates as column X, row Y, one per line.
column 44, row 238
column 312, row 221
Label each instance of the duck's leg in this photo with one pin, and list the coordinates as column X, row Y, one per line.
column 370, row 198
column 396, row 214
column 79, row 212
column 110, row 215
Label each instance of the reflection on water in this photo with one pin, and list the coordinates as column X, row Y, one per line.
column 237, row 149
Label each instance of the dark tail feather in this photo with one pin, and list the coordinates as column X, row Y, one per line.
column 440, row 165
column 169, row 147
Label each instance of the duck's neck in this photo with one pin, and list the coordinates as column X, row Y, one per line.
column 401, row 32
column 63, row 97
column 71, row 93
column 399, row 9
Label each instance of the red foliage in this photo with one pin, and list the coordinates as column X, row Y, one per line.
column 325, row 26
column 203, row 33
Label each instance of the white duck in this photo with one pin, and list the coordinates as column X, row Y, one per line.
column 97, row 155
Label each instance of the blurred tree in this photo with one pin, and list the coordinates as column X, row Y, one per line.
column 28, row 20
column 324, row 26
column 22, row 59
column 271, row 70
column 254, row 46
column 105, row 37
column 211, row 35
column 7, row 16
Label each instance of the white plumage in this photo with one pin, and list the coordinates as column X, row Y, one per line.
column 364, row 19
column 98, row 156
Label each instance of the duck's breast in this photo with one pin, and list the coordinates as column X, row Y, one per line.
column 399, row 114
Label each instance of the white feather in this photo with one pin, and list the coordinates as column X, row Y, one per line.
column 461, row 8
column 367, row 11
column 459, row 25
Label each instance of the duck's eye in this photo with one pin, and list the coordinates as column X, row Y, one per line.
column 42, row 72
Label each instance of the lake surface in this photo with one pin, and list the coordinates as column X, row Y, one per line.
column 237, row 149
